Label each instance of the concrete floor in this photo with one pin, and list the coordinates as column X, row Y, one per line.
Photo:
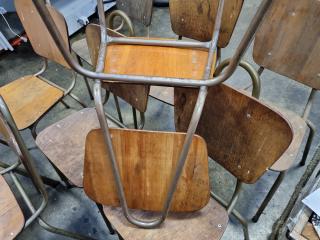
column 71, row 209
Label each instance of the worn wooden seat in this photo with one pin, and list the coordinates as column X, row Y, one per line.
column 64, row 143
column 28, row 98
column 208, row 223
column 11, row 216
column 147, row 162
column 152, row 61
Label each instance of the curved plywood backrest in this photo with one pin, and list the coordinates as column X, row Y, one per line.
column 139, row 10
column 243, row 135
column 147, row 162
column 288, row 40
column 195, row 19
column 93, row 38
column 40, row 38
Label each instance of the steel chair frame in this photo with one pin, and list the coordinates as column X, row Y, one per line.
column 16, row 143
column 161, row 81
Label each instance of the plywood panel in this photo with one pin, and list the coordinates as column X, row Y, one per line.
column 11, row 217
column 40, row 38
column 195, row 19
column 147, row 161
column 152, row 61
column 28, row 98
column 288, row 41
column 243, row 135
column 64, row 143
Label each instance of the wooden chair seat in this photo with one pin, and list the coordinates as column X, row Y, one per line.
column 208, row 223
column 151, row 61
column 299, row 128
column 11, row 216
column 147, row 161
column 63, row 143
column 28, row 98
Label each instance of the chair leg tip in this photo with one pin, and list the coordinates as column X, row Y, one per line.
column 255, row 219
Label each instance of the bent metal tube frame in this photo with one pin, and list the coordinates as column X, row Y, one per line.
column 203, row 85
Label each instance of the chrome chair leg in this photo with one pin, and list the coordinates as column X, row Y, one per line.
column 269, row 196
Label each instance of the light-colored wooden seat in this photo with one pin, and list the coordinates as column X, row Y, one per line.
column 207, row 224
column 28, row 98
column 151, row 61
column 64, row 142
column 11, row 216
column 147, row 162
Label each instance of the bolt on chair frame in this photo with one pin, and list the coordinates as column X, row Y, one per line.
column 16, row 143
column 161, row 81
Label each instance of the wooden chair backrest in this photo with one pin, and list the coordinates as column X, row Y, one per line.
column 195, row 19
column 136, row 95
column 288, row 41
column 147, row 162
column 243, row 135
column 139, row 10
column 40, row 38
column 94, row 39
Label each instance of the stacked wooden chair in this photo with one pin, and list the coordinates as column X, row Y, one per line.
column 12, row 219
column 168, row 171
column 231, row 143
column 296, row 56
column 30, row 97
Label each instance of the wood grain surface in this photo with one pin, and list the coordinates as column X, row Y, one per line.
column 243, row 135
column 11, row 216
column 152, row 61
column 139, row 10
column 28, row 98
column 64, row 143
column 147, row 161
column 288, row 41
column 207, row 224
column 40, row 38
column 195, row 19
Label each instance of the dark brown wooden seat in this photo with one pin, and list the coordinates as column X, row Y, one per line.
column 64, row 143
column 147, row 163
column 207, row 224
column 28, row 98
column 11, row 216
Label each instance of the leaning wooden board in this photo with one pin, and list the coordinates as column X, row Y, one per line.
column 147, row 162
column 288, row 41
